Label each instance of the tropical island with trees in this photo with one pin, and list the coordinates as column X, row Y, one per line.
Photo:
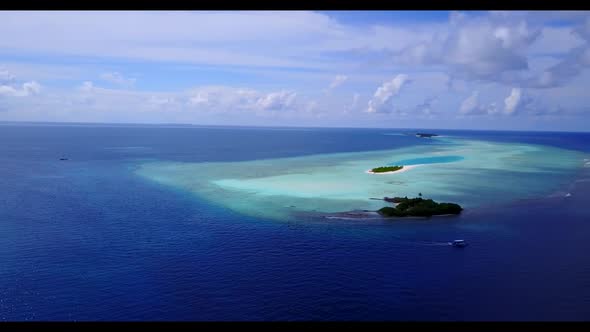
column 418, row 207
column 425, row 135
column 385, row 169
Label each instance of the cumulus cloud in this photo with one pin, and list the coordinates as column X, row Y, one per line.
column 519, row 102
column 555, row 41
column 511, row 102
column 337, row 81
column 507, row 55
column 472, row 106
column 163, row 103
column 6, row 90
column 227, row 99
column 199, row 98
column 381, row 101
column 10, row 88
column 500, row 47
column 477, row 48
column 570, row 65
column 565, row 70
column 118, row 79
column 277, row 101
column 27, row 89
column 31, row 88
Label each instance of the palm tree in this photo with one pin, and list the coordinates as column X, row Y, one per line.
column 420, row 194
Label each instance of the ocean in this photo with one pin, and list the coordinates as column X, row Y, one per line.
column 146, row 222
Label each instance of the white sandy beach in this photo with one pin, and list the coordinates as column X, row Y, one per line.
column 406, row 168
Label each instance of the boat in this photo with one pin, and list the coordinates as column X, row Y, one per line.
column 458, row 243
column 63, row 158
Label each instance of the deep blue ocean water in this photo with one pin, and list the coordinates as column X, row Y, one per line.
column 87, row 239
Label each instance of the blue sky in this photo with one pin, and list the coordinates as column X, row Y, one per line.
column 437, row 69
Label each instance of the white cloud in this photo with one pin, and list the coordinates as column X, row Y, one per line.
column 506, row 56
column 519, row 102
column 9, row 87
column 203, row 37
column 472, row 106
column 205, row 103
column 576, row 61
column 199, row 98
column 227, row 99
column 118, row 79
column 573, row 44
column 476, row 48
column 380, row 103
column 511, row 102
column 87, row 86
column 555, row 40
column 27, row 89
column 277, row 100
column 31, row 88
column 6, row 90
column 337, row 81
column 516, row 103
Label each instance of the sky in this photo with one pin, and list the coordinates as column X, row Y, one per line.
column 401, row 69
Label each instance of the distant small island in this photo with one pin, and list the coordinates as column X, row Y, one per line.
column 425, row 135
column 384, row 169
column 418, row 207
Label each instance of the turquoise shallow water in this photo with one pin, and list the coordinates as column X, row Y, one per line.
column 470, row 172
column 428, row 160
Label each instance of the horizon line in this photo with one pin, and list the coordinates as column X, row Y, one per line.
column 2, row 122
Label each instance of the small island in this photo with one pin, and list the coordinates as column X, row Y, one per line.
column 385, row 169
column 425, row 135
column 418, row 207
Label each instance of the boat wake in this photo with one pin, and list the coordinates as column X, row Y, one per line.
column 435, row 244
column 354, row 218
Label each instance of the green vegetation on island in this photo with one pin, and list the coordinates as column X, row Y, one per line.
column 425, row 135
column 384, row 169
column 418, row 207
